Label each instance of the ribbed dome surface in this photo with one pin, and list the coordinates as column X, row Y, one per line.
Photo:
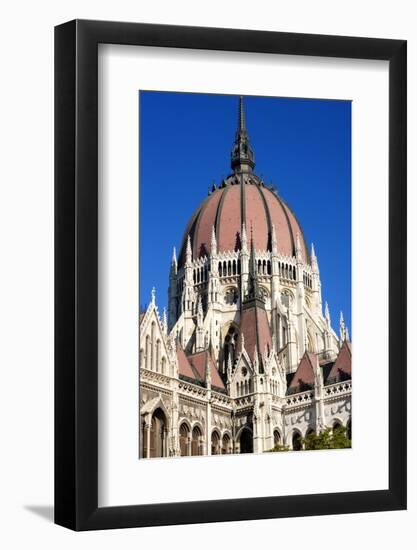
column 242, row 198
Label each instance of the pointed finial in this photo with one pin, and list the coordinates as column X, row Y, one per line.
column 327, row 312
column 314, row 263
column 174, row 256
column 342, row 327
column 347, row 337
column 213, row 245
column 153, row 296
column 298, row 246
column 164, row 321
column 229, row 367
column 242, row 340
column 188, row 254
column 274, row 240
column 244, row 238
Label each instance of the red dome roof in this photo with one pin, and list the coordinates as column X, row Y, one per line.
column 243, row 198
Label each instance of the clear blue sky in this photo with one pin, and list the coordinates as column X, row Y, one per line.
column 303, row 146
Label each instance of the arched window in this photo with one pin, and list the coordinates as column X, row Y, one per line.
column 277, row 438
column 153, row 367
column 148, row 352
column 196, row 442
column 158, row 354
column 141, row 358
column 215, row 443
column 349, row 428
column 229, row 346
column 184, row 440
column 296, row 441
column 246, row 441
column 158, row 434
column 163, row 365
column 226, row 445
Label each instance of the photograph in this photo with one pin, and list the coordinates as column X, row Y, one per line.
column 245, row 274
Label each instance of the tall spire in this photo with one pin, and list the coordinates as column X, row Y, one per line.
column 243, row 159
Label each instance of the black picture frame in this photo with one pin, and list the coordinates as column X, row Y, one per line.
column 76, row 272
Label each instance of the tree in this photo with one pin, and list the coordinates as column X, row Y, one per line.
column 329, row 438
column 278, row 448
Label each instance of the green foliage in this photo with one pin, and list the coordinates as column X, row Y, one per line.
column 327, row 439
column 278, row 449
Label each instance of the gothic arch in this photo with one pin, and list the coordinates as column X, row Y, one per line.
column 226, row 444
column 296, row 440
column 310, row 342
column 245, row 440
column 215, row 442
column 337, row 422
column 154, row 430
column 197, row 441
column 276, row 432
column 184, row 438
column 230, row 335
column 199, row 425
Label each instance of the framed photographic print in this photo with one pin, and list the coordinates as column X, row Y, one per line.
column 230, row 275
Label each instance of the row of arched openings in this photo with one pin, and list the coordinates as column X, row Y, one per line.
column 229, row 268
column 200, row 274
column 287, row 271
column 221, row 445
column 297, row 444
column 191, row 443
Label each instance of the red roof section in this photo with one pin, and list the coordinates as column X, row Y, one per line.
column 194, row 367
column 343, row 364
column 223, row 210
column 304, row 373
column 202, row 360
column 184, row 366
column 256, row 331
column 256, row 217
column 230, row 225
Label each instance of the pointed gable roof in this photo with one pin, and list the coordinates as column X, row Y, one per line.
column 202, row 361
column 194, row 367
column 255, row 328
column 304, row 375
column 184, row 367
column 342, row 369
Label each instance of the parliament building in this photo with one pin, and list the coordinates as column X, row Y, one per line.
column 247, row 357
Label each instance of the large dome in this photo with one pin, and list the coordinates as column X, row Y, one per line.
column 243, row 198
